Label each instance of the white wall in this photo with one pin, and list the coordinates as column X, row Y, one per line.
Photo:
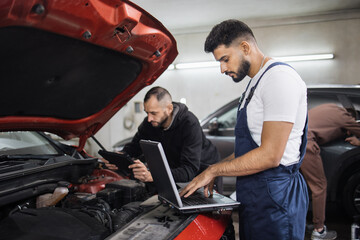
column 207, row 89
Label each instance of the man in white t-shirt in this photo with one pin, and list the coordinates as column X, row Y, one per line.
column 270, row 138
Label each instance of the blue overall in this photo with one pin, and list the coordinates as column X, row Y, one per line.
column 275, row 201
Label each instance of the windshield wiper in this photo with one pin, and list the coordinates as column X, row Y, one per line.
column 28, row 156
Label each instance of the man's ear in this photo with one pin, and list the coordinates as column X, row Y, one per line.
column 245, row 47
column 170, row 108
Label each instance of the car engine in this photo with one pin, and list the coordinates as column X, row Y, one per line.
column 49, row 207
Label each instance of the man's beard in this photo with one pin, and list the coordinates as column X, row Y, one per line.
column 161, row 123
column 242, row 72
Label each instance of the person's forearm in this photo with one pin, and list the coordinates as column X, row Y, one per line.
column 274, row 138
column 248, row 164
column 252, row 162
column 184, row 173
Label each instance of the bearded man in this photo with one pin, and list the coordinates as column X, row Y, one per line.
column 270, row 138
column 187, row 149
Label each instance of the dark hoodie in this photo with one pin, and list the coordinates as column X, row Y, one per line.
column 187, row 149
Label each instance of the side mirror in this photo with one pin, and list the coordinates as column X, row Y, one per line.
column 213, row 126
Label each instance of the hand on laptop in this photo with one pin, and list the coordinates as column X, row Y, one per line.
column 140, row 171
column 205, row 179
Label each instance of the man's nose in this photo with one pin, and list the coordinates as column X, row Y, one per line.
column 149, row 118
column 223, row 67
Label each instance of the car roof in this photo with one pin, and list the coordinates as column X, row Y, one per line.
column 341, row 94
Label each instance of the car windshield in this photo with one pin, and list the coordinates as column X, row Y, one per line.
column 16, row 143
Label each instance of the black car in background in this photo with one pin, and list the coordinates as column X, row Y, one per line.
column 341, row 160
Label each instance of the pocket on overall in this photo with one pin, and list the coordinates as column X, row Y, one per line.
column 278, row 189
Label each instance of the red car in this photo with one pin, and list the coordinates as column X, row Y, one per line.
column 67, row 67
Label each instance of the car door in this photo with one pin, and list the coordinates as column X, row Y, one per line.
column 219, row 128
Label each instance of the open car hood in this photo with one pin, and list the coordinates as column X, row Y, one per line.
column 69, row 66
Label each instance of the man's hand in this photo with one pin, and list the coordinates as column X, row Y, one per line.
column 140, row 171
column 353, row 140
column 205, row 179
column 109, row 165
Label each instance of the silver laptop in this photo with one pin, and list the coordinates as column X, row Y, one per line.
column 167, row 191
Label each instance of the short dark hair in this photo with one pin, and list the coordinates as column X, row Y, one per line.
column 225, row 33
column 159, row 92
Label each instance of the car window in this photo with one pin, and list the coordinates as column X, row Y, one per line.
column 24, row 143
column 228, row 119
column 315, row 99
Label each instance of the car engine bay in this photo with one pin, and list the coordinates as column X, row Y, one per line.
column 69, row 198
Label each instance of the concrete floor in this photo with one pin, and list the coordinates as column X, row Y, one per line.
column 335, row 220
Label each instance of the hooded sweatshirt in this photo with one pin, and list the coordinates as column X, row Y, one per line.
column 187, row 149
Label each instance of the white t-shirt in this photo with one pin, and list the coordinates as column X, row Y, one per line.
column 280, row 96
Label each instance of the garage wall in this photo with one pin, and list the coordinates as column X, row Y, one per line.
column 207, row 89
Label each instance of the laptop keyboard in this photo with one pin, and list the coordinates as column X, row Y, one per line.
column 195, row 199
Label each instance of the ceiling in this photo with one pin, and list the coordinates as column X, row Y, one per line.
column 187, row 15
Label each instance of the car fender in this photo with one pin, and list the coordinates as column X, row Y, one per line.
column 346, row 164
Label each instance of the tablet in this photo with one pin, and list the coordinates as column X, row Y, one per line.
column 120, row 159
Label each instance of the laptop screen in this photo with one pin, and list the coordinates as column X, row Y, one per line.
column 164, row 181
column 160, row 171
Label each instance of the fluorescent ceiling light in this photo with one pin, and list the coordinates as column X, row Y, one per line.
column 211, row 64
column 305, row 57
column 183, row 100
column 171, row 67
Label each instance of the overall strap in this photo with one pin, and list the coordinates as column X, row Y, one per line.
column 252, row 90
column 243, row 95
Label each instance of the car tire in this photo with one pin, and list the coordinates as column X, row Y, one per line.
column 351, row 195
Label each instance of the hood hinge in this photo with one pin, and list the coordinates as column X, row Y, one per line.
column 88, row 133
